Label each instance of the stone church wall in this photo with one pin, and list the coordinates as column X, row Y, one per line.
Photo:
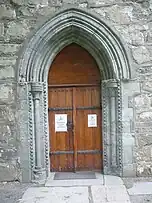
column 132, row 21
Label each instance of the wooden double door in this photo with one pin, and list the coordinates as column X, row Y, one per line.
column 75, row 143
column 74, row 99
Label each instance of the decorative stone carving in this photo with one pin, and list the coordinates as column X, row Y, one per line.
column 112, row 126
column 46, row 134
column 38, row 172
column 31, row 131
column 119, row 130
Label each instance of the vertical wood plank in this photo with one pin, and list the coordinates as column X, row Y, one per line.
column 74, row 129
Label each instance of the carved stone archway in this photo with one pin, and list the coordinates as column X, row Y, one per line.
column 66, row 27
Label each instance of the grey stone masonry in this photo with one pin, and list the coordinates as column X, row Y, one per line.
column 122, row 46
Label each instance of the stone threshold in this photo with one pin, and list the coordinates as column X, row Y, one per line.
column 99, row 180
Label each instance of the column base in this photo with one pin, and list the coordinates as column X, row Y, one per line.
column 39, row 175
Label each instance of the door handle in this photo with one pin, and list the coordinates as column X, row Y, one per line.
column 69, row 125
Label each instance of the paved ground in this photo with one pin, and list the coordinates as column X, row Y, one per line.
column 101, row 189
column 13, row 192
column 139, row 189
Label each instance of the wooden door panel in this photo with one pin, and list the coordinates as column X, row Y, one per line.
column 89, row 141
column 88, row 138
column 60, row 97
column 74, row 65
column 88, row 96
column 61, row 143
column 62, row 162
column 89, row 163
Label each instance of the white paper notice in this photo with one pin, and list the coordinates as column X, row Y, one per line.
column 92, row 120
column 60, row 122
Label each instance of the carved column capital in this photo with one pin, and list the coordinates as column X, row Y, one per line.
column 36, row 89
column 112, row 83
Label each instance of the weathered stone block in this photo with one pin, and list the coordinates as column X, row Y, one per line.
column 70, row 2
column 137, row 38
column 30, row 3
column 145, row 116
column 142, row 128
column 144, row 168
column 144, row 153
column 144, row 138
column 8, row 61
column 18, row 2
column 8, row 171
column 38, row 3
column 142, row 101
column 149, row 33
column 6, row 93
column 9, row 48
column 7, row 114
column 145, row 77
column 55, row 2
column 5, row 133
column 116, row 14
column 7, row 12
column 145, row 69
column 1, row 29
column 140, row 13
column 132, row 34
column 17, row 30
column 141, row 54
column 83, row 5
column 46, row 11
column 146, row 85
column 98, row 3
column 26, row 11
column 7, row 72
column 124, row 32
column 8, row 152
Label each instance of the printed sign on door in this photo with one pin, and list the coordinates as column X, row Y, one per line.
column 60, row 122
column 92, row 120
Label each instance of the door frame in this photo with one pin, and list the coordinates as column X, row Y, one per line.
column 33, row 64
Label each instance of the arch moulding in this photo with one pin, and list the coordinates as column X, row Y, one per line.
column 38, row 52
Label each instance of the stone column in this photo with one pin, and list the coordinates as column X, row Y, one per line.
column 113, row 138
column 39, row 171
column 113, row 130
column 111, row 121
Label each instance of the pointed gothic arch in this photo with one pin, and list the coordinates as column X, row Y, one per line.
column 39, row 50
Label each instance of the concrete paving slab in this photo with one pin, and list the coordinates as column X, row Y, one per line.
column 112, row 180
column 79, row 191
column 117, row 193
column 141, row 198
column 56, row 195
column 141, row 188
column 99, row 194
column 93, row 194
